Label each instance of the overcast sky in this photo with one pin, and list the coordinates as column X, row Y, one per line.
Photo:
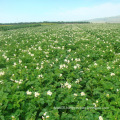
column 56, row 10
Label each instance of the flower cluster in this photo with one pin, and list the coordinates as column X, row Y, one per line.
column 45, row 116
column 49, row 92
column 2, row 73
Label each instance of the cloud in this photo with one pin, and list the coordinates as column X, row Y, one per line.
column 84, row 13
column 64, row 14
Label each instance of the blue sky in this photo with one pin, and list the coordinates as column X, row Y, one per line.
column 56, row 10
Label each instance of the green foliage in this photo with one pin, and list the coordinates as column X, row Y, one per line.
column 17, row 26
column 60, row 72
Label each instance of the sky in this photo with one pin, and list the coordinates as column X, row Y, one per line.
column 13, row 11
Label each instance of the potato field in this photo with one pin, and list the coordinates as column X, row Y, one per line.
column 60, row 72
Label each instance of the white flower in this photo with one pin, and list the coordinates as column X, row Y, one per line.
column 94, row 104
column 25, row 66
column 1, row 82
column 15, row 64
column 100, row 118
column 62, row 86
column 78, row 80
column 47, row 116
column 87, row 99
column 75, row 67
column 95, row 64
column 28, row 92
column 82, row 94
column 77, row 59
column 63, row 66
column 40, row 76
column 7, row 59
column 49, row 93
column 60, row 75
column 69, row 50
column 39, row 48
column 96, row 101
column 56, row 59
column 117, row 90
column 88, row 55
column 69, row 86
column 20, row 81
column 13, row 75
column 37, row 68
column 45, row 113
column 68, row 61
column 32, row 54
column 75, row 94
column 112, row 74
column 37, row 64
column 66, row 84
column 65, row 60
column 16, row 81
column 20, row 61
column 108, row 67
column 43, row 118
column 37, row 94
column 12, row 117
column 2, row 73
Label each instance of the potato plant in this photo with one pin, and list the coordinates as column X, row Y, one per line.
column 60, row 72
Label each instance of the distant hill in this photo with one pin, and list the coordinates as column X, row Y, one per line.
column 115, row 19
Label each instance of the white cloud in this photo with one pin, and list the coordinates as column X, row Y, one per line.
column 64, row 14
column 84, row 13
